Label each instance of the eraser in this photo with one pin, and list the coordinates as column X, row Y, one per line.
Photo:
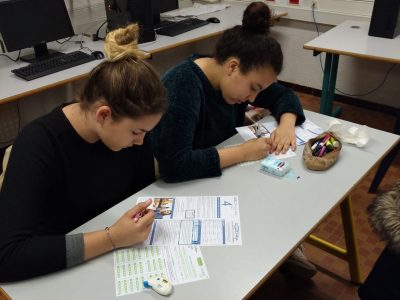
column 275, row 166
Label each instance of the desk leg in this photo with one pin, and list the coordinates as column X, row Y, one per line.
column 351, row 253
column 351, row 243
column 329, row 83
column 387, row 161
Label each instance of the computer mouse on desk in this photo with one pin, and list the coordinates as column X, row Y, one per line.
column 213, row 20
column 98, row 54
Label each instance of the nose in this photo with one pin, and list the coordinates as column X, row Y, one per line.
column 252, row 97
column 138, row 140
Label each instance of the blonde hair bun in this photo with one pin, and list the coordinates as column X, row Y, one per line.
column 123, row 42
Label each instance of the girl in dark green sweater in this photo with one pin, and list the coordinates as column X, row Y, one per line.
column 208, row 97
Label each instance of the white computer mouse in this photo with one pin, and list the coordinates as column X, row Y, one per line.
column 159, row 284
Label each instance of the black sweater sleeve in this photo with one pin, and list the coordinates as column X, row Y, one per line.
column 24, row 251
column 279, row 100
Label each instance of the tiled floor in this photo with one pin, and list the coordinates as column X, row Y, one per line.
column 332, row 280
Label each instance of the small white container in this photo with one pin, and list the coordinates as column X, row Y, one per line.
column 275, row 166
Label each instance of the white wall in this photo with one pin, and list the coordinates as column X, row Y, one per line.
column 332, row 12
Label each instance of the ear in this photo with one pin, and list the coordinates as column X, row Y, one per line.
column 103, row 114
column 232, row 65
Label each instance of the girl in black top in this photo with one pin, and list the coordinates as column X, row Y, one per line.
column 76, row 162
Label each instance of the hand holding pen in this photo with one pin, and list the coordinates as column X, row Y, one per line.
column 141, row 213
column 133, row 227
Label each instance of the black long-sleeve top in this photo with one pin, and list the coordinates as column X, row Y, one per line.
column 56, row 181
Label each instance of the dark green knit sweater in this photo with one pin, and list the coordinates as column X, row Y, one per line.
column 198, row 118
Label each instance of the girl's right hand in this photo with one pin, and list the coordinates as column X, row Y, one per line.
column 127, row 232
column 256, row 148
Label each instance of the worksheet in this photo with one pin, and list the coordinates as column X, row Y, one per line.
column 195, row 220
column 194, row 207
column 304, row 132
column 178, row 264
column 289, row 153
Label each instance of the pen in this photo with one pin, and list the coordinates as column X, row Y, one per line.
column 326, row 137
column 138, row 215
column 141, row 213
column 257, row 130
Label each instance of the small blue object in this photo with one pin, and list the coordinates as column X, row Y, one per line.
column 159, row 284
column 146, row 285
column 275, row 166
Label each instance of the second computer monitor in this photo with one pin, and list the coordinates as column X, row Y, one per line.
column 123, row 12
column 27, row 23
column 161, row 6
column 144, row 12
column 166, row 5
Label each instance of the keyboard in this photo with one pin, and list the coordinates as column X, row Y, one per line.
column 53, row 65
column 163, row 23
column 181, row 27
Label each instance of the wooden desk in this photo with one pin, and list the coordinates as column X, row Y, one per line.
column 351, row 39
column 276, row 215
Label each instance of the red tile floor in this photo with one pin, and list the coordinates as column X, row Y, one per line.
column 332, row 280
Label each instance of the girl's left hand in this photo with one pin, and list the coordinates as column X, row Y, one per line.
column 283, row 138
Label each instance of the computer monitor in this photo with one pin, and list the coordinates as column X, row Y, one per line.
column 33, row 23
column 144, row 12
column 123, row 12
column 161, row 6
column 166, row 5
column 385, row 19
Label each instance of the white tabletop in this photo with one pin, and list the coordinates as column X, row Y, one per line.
column 13, row 87
column 276, row 215
column 351, row 38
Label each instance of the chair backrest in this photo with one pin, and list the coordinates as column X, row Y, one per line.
column 5, row 162
column 156, row 169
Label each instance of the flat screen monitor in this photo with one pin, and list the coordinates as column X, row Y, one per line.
column 160, row 6
column 33, row 23
column 144, row 12
column 166, row 5
column 123, row 12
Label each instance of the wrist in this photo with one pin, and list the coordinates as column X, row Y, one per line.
column 110, row 238
column 242, row 153
column 288, row 120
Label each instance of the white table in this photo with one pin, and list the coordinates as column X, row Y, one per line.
column 276, row 215
column 14, row 88
column 351, row 39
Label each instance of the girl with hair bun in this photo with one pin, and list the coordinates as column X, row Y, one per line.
column 208, row 97
column 79, row 160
